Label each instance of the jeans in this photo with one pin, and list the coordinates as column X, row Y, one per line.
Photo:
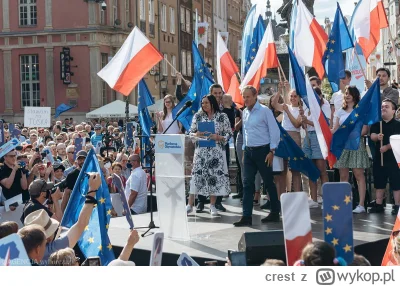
column 254, row 160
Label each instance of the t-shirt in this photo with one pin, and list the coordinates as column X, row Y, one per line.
column 72, row 178
column 96, row 138
column 137, row 182
column 326, row 109
column 286, row 123
column 16, row 188
column 342, row 115
column 231, row 115
column 56, row 245
column 174, row 129
column 337, row 100
column 388, row 129
column 34, row 205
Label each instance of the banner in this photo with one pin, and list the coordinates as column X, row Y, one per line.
column 202, row 31
column 12, row 251
column 37, row 116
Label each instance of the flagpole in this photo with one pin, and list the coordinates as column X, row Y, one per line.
column 359, row 62
column 280, row 66
column 174, row 68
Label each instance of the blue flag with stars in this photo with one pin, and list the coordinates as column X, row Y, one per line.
column 144, row 101
column 338, row 219
column 298, row 78
column 200, row 87
column 129, row 140
column 94, row 241
column 289, row 150
column 14, row 132
column 339, row 41
column 366, row 112
column 258, row 34
column 61, row 109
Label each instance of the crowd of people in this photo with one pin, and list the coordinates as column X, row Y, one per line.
column 49, row 156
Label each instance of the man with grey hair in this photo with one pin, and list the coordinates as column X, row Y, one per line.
column 69, row 161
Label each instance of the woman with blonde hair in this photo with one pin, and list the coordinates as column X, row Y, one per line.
column 64, row 257
column 165, row 118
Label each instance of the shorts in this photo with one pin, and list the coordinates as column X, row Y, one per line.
column 311, row 146
column 385, row 173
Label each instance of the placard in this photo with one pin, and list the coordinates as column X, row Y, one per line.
column 37, row 116
column 157, row 249
column 169, row 144
column 12, row 251
column 186, row 260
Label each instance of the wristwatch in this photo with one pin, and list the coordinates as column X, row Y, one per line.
column 272, row 151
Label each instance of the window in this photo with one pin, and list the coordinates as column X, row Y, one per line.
column 127, row 11
column 151, row 12
column 27, row 13
column 189, row 64
column 173, row 62
column 183, row 26
column 163, row 17
column 142, row 10
column 102, row 16
column 188, row 21
column 164, row 65
column 104, row 62
column 115, row 11
column 172, row 20
column 183, row 62
column 30, row 86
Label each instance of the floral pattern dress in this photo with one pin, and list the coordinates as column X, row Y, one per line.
column 210, row 174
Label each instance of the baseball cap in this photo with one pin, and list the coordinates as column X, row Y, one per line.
column 97, row 126
column 57, row 166
column 38, row 186
column 81, row 154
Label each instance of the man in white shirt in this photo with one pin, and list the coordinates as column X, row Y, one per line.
column 136, row 188
column 337, row 98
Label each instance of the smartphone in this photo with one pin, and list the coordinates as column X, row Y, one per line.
column 211, row 263
column 238, row 259
column 37, row 149
column 92, row 261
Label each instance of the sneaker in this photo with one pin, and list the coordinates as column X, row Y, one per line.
column 220, row 207
column 376, row 208
column 313, row 204
column 266, row 206
column 265, row 198
column 395, row 210
column 189, row 209
column 359, row 209
column 256, row 202
column 319, row 200
column 213, row 210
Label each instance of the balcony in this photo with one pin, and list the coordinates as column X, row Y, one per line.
column 152, row 30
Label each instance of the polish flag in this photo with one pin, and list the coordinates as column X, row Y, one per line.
column 134, row 59
column 388, row 258
column 296, row 224
column 266, row 58
column 395, row 143
column 368, row 19
column 322, row 129
column 7, row 260
column 309, row 40
column 227, row 71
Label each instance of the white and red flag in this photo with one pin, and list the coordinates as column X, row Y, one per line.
column 321, row 126
column 135, row 58
column 296, row 224
column 227, row 71
column 368, row 19
column 389, row 258
column 266, row 58
column 309, row 40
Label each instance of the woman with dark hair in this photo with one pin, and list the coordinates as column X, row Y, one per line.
column 312, row 149
column 357, row 160
column 165, row 118
column 210, row 175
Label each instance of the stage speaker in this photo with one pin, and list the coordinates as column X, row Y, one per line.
column 263, row 245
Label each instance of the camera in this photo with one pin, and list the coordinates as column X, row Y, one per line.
column 104, row 6
column 21, row 164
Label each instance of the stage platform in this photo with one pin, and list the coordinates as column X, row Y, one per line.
column 211, row 237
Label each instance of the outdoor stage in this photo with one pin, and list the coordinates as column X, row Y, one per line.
column 211, row 237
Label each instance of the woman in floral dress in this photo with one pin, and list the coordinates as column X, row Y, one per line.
column 210, row 175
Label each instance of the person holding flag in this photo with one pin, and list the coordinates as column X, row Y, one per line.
column 357, row 159
column 386, row 90
column 389, row 169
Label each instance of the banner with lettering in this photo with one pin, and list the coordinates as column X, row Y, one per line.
column 37, row 116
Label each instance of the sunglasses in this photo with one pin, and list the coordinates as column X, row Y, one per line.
column 71, row 152
column 59, row 139
column 23, row 157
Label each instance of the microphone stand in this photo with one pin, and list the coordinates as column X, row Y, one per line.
column 173, row 121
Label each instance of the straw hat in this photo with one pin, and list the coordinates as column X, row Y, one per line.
column 41, row 218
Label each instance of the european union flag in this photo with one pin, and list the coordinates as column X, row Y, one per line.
column 129, row 135
column 258, row 34
column 366, row 112
column 338, row 219
column 298, row 78
column 339, row 41
column 1, row 133
column 14, row 132
column 78, row 143
column 288, row 149
column 61, row 109
column 144, row 101
column 94, row 240
column 200, row 87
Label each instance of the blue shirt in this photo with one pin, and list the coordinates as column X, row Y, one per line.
column 96, row 138
column 260, row 127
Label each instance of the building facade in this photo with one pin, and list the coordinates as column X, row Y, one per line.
column 235, row 27
column 220, row 22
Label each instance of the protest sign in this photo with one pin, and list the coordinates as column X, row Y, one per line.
column 186, row 260
column 157, row 250
column 37, row 116
column 9, row 146
column 12, row 251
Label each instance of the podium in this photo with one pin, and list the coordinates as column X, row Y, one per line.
column 173, row 167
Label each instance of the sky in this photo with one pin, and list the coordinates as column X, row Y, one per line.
column 322, row 8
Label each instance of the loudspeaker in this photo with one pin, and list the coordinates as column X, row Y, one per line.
column 260, row 246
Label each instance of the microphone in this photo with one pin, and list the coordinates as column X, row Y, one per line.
column 186, row 106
